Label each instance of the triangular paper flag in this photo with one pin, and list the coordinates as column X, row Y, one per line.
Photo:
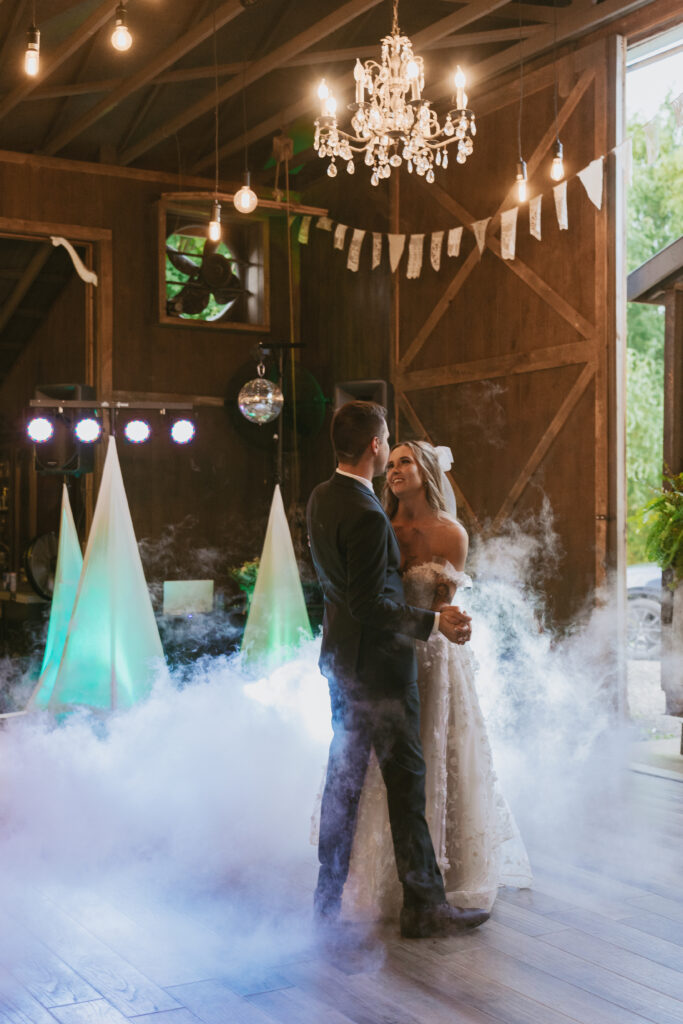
column 560, row 194
column 508, row 233
column 112, row 651
column 396, row 246
column 535, row 217
column 479, row 227
column 435, row 249
column 376, row 249
column 67, row 575
column 304, row 229
column 354, row 248
column 591, row 179
column 340, row 235
column 454, row 240
column 278, row 620
column 415, row 250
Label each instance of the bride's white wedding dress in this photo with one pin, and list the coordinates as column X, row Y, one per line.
column 476, row 840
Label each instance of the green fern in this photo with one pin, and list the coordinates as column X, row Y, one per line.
column 663, row 521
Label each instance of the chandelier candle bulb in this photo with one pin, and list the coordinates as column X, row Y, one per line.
column 359, row 76
column 460, row 99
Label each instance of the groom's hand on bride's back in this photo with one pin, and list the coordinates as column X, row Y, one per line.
column 455, row 625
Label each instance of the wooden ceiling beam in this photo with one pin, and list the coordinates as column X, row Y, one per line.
column 187, row 42
column 452, row 22
column 11, row 29
column 282, row 119
column 49, row 64
column 256, row 70
column 30, row 273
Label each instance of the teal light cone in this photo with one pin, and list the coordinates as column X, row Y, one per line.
column 113, row 648
column 67, row 575
column 277, row 621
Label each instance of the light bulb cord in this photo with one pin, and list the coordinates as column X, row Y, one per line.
column 521, row 92
column 215, row 105
column 557, row 130
column 244, row 122
column 290, row 287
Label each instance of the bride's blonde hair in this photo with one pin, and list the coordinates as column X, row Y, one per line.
column 431, row 473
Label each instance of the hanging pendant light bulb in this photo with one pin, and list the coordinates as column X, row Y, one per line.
column 215, row 222
column 246, row 199
column 521, row 181
column 32, row 55
column 557, row 167
column 121, row 39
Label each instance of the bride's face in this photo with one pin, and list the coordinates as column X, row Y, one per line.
column 403, row 472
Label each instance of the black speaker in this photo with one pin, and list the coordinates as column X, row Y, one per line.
column 64, row 454
column 361, row 391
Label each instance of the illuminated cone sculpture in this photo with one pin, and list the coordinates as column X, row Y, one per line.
column 277, row 621
column 113, row 649
column 67, row 575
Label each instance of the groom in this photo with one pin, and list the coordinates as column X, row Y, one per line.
column 369, row 660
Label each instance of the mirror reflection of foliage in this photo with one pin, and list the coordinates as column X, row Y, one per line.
column 655, row 219
column 193, row 245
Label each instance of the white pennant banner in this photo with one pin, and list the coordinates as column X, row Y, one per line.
column 560, row 194
column 479, row 227
column 304, row 228
column 591, row 179
column 324, row 223
column 454, row 240
column 535, row 217
column 508, row 233
column 340, row 235
column 354, row 248
column 435, row 249
column 415, row 250
column 376, row 249
column 396, row 246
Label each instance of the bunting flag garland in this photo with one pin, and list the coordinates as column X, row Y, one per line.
column 304, row 228
column 415, row 250
column 396, row 245
column 591, row 179
column 560, row 194
column 535, row 217
column 454, row 240
column 376, row 249
column 324, row 223
column 354, row 248
column 479, row 227
column 435, row 249
column 340, row 235
column 508, row 233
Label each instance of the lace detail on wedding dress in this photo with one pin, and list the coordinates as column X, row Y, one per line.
column 476, row 840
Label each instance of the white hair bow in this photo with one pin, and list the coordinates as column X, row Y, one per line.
column 444, row 456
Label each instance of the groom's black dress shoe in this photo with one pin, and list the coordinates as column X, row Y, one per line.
column 442, row 919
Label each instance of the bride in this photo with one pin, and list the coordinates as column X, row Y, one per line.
column 477, row 843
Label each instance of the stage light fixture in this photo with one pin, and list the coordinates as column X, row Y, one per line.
column 40, row 429
column 182, row 431
column 137, row 431
column 88, row 430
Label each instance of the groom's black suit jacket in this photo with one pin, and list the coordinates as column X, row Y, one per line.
column 368, row 629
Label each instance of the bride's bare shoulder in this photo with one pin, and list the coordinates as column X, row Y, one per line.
column 450, row 540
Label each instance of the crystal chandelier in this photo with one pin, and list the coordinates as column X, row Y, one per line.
column 391, row 120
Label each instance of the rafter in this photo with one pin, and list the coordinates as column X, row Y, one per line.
column 452, row 22
column 257, row 69
column 33, row 268
column 189, row 41
column 100, row 16
column 271, row 124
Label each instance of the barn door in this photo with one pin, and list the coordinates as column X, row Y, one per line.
column 514, row 364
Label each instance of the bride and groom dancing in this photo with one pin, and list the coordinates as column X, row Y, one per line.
column 388, row 578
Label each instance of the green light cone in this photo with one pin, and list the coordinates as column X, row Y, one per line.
column 112, row 648
column 277, row 621
column 67, row 575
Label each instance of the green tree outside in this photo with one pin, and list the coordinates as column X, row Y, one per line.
column 655, row 219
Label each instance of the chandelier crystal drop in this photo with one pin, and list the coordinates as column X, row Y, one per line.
column 392, row 122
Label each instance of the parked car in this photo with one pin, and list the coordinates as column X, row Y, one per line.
column 644, row 611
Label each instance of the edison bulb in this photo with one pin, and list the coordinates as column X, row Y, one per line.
column 557, row 168
column 32, row 54
column 215, row 223
column 245, row 199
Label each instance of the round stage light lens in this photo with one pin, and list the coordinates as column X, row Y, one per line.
column 88, row 430
column 182, row 431
column 137, row 431
column 40, row 429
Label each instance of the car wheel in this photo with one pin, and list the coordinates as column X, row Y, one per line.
column 643, row 628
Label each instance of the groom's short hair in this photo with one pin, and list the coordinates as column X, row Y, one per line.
column 353, row 427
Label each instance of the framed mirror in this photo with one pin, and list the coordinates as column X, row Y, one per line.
column 210, row 284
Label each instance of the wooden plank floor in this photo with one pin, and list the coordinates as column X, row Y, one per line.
column 586, row 945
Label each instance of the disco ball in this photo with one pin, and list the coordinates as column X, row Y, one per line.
column 260, row 400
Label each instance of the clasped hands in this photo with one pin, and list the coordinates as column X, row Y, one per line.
column 455, row 625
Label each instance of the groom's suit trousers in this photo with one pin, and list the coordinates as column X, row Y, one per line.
column 392, row 727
